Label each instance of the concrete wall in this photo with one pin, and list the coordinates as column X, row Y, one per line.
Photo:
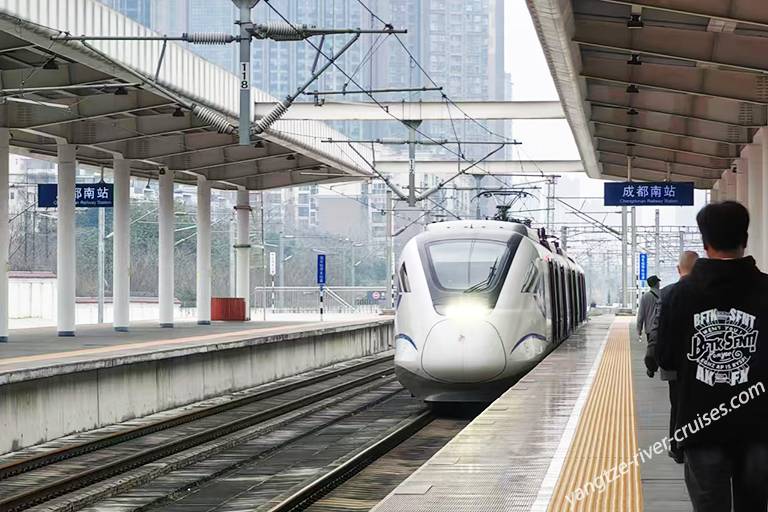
column 46, row 403
column 34, row 297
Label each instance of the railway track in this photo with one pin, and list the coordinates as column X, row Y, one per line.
column 43, row 477
column 304, row 497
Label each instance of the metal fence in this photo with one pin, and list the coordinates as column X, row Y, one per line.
column 306, row 299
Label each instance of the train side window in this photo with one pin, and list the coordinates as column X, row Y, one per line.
column 405, row 285
column 531, row 279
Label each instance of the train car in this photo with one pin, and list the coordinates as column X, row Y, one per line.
column 479, row 303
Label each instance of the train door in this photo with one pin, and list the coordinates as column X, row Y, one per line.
column 552, row 292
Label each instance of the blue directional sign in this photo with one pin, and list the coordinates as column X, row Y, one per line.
column 87, row 195
column 643, row 266
column 321, row 269
column 636, row 193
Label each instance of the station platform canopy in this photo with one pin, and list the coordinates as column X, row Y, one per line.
column 679, row 85
column 102, row 99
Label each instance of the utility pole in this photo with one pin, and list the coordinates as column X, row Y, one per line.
column 550, row 204
column 634, row 260
column 624, row 273
column 478, row 188
column 100, row 265
column 564, row 237
column 232, row 269
column 390, row 248
column 244, row 70
column 264, row 263
column 657, row 245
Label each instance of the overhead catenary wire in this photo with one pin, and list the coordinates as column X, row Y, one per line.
column 377, row 102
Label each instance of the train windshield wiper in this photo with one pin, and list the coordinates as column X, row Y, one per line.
column 485, row 283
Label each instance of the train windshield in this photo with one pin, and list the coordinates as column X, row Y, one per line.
column 466, row 265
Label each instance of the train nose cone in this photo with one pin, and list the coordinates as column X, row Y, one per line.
column 463, row 352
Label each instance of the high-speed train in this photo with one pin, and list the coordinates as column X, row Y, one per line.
column 479, row 303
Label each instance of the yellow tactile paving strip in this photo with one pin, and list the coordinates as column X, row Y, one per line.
column 606, row 437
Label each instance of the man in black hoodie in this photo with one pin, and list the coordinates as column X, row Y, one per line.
column 713, row 331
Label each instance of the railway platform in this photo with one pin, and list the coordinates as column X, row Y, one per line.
column 52, row 386
column 586, row 409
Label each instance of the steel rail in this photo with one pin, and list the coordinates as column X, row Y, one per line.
column 315, row 490
column 82, row 479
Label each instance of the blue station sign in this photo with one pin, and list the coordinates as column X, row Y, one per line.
column 638, row 193
column 87, row 195
column 321, row 269
column 643, row 266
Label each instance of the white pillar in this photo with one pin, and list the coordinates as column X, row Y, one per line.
column 242, row 287
column 65, row 241
column 729, row 179
column 741, row 181
column 763, row 197
column 121, row 244
column 624, row 270
column 203, row 251
column 714, row 195
column 4, row 232
column 754, row 157
column 165, row 248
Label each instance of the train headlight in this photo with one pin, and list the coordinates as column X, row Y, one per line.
column 466, row 310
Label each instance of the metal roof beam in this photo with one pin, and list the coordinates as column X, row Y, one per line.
column 736, row 51
column 659, row 166
column 653, row 175
column 719, row 10
column 679, row 142
column 418, row 110
column 729, row 93
column 663, row 154
column 659, row 162
column 84, row 109
column 499, row 167
column 639, row 126
column 635, row 102
column 625, row 140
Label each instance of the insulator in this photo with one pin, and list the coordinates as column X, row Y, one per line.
column 280, row 32
column 208, row 37
column 265, row 122
column 213, row 118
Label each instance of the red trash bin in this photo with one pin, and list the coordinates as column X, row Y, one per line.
column 228, row 309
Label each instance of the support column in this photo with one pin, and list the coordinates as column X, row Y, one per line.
column 657, row 245
column 714, row 194
column 65, row 241
column 203, row 251
column 243, row 247
column 4, row 232
column 754, row 156
column 165, row 249
column 121, row 246
column 741, row 181
column 763, row 230
column 729, row 179
column 624, row 273
column 634, row 265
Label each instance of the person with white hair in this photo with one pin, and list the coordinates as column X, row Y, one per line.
column 684, row 267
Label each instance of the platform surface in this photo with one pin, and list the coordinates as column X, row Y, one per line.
column 39, row 350
column 588, row 407
column 662, row 479
column 501, row 461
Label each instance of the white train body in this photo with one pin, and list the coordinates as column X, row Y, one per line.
column 479, row 304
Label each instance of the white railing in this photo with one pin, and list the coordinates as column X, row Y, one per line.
column 345, row 300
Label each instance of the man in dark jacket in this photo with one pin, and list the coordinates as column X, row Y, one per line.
column 684, row 267
column 646, row 310
column 713, row 331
